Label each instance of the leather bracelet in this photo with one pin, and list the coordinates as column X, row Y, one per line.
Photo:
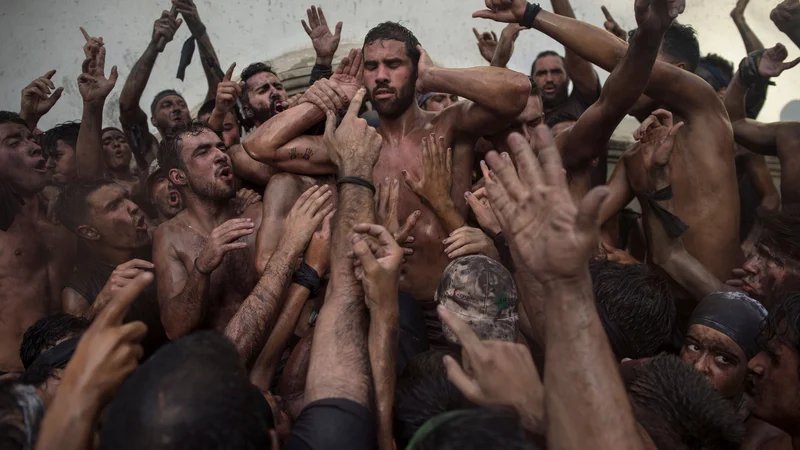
column 200, row 271
column 307, row 277
column 531, row 11
column 356, row 180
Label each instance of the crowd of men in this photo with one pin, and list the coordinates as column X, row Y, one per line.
column 408, row 256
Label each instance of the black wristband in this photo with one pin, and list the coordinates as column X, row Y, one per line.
column 531, row 11
column 673, row 225
column 198, row 269
column 307, row 277
column 356, row 180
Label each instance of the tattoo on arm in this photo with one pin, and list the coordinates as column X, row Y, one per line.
column 307, row 155
column 292, row 153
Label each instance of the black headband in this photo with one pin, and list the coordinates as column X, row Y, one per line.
column 58, row 356
column 735, row 315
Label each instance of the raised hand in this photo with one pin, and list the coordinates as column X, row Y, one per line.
column 500, row 374
column 318, row 254
column 37, row 99
column 164, row 30
column 92, row 82
column 221, row 241
column 325, row 43
column 108, row 351
column 124, row 274
column 508, row 11
column 327, row 95
column 479, row 203
column 657, row 15
column 188, row 10
column 424, row 70
column 387, row 200
column 786, row 15
column 612, row 26
column 354, row 146
column 470, row 241
column 227, row 92
column 307, row 213
column 92, row 45
column 380, row 259
column 738, row 11
column 648, row 164
column 550, row 236
column 350, row 73
column 437, row 172
column 487, row 44
column 772, row 65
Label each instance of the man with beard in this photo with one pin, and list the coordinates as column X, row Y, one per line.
column 117, row 161
column 162, row 194
column 114, row 244
column 36, row 256
column 263, row 94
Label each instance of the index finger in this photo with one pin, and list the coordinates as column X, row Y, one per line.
column 136, row 263
column 355, row 104
column 466, row 337
column 380, row 233
column 229, row 73
column 607, row 14
column 474, row 30
column 116, row 309
column 86, row 35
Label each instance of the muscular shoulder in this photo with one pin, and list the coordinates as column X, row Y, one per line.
column 168, row 233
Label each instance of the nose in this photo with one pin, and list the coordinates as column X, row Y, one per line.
column 702, row 365
column 757, row 364
column 51, row 163
column 751, row 265
column 382, row 74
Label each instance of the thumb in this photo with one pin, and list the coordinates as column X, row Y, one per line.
column 56, row 95
column 338, row 31
column 114, row 75
column 484, row 14
column 792, row 64
column 229, row 73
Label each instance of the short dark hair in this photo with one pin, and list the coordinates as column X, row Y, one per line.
column 638, row 301
column 67, row 132
column 679, row 408
column 680, row 43
column 208, row 108
column 249, row 71
column 478, row 428
column 12, row 117
column 783, row 322
column 46, row 332
column 192, row 393
column 72, row 205
column 423, row 392
column 540, row 56
column 780, row 235
column 159, row 96
column 169, row 150
column 393, row 31
column 107, row 129
column 724, row 66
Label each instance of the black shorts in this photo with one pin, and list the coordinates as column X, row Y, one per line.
column 333, row 424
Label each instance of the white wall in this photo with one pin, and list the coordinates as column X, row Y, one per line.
column 43, row 34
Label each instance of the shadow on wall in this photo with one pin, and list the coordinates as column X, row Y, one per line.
column 791, row 111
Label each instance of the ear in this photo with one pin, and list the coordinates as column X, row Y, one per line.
column 88, row 233
column 682, row 65
column 153, row 120
column 178, row 177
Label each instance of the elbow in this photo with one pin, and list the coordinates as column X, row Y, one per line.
column 521, row 91
column 259, row 148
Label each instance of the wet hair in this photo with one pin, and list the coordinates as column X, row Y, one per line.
column 423, row 392
column 249, row 71
column 679, row 408
column 680, row 43
column 159, row 96
column 783, row 323
column 780, row 235
column 393, row 31
column 72, row 205
column 478, row 428
column 192, row 393
column 67, row 132
column 12, row 117
column 46, row 332
column 638, row 301
column 169, row 150
column 540, row 56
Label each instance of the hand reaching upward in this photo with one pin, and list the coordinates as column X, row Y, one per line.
column 657, row 15
column 325, row 43
column 772, row 62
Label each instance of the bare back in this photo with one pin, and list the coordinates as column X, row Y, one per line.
column 36, row 257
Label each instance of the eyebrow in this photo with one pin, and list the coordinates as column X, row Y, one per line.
column 200, row 148
column 16, row 135
column 713, row 344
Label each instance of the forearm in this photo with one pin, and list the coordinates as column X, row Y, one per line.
column 185, row 312
column 253, row 322
column 449, row 216
column 383, row 331
column 586, row 402
column 502, row 91
column 529, row 291
column 89, row 148
column 263, row 143
column 761, row 178
column 282, row 332
column 137, row 81
column 69, row 422
column 504, row 50
column 31, row 120
column 579, row 70
column 210, row 63
column 735, row 99
column 322, row 69
column 751, row 41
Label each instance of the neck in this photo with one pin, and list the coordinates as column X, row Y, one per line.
column 119, row 174
column 206, row 213
column 394, row 130
column 107, row 255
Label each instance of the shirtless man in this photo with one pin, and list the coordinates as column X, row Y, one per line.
column 394, row 64
column 36, row 256
column 779, row 139
column 703, row 160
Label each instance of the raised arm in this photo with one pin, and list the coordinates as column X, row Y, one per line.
column 589, row 137
column 252, row 324
column 786, row 16
column 496, row 95
column 325, row 43
column 37, row 99
column 553, row 238
column 505, row 46
column 130, row 113
column 579, row 70
column 208, row 57
column 94, row 88
column 751, row 41
column 280, row 142
column 339, row 366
